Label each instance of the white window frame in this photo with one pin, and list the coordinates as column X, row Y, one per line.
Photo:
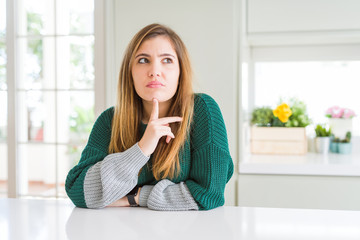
column 11, row 48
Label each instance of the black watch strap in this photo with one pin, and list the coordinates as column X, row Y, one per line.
column 131, row 197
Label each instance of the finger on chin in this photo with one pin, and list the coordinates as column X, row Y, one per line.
column 155, row 110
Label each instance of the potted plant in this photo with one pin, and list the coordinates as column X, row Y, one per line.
column 340, row 120
column 280, row 130
column 322, row 140
column 344, row 146
column 262, row 117
column 334, row 144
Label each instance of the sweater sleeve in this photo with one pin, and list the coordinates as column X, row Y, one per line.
column 99, row 178
column 113, row 178
column 95, row 150
column 211, row 163
column 167, row 196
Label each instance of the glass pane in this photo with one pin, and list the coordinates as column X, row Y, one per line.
column 3, row 85
column 36, row 116
column 37, row 169
column 75, row 17
column 35, row 17
column 68, row 157
column 3, row 116
column 3, row 169
column 3, row 144
column 75, row 61
column 2, row 18
column 320, row 85
column 75, row 116
column 38, row 58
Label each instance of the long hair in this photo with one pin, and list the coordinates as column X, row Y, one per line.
column 129, row 109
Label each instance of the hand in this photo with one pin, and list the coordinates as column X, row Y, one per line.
column 156, row 128
column 122, row 202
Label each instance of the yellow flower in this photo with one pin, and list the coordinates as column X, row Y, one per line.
column 283, row 112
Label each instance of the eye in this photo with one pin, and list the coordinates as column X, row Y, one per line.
column 143, row 60
column 167, row 60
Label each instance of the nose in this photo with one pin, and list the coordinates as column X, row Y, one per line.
column 154, row 74
column 154, row 71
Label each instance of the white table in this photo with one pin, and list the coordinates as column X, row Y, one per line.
column 59, row 219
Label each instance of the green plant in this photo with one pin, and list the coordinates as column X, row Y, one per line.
column 299, row 117
column 322, row 131
column 347, row 138
column 265, row 116
column 262, row 117
column 81, row 120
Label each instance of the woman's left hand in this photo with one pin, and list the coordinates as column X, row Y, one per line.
column 123, row 202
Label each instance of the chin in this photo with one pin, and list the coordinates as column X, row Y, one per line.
column 159, row 97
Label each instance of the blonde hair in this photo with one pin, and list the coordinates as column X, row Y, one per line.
column 129, row 110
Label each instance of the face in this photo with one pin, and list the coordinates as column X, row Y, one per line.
column 156, row 70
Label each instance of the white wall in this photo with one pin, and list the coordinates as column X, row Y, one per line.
column 269, row 16
column 209, row 30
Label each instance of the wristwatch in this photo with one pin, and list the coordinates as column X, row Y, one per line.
column 131, row 197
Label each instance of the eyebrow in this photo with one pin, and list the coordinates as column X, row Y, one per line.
column 161, row 55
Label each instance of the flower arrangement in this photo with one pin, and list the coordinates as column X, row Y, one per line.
column 284, row 115
column 283, row 112
column 338, row 112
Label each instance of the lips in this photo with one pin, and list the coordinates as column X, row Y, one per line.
column 155, row 84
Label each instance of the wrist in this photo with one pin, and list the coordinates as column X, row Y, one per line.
column 131, row 197
column 143, row 150
column 137, row 196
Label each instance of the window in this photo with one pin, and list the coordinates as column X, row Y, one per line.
column 321, row 76
column 3, row 101
column 54, row 91
column 320, row 84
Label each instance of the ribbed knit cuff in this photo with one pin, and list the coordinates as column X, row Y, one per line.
column 168, row 196
column 144, row 195
column 114, row 177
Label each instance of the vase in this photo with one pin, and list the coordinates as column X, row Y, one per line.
column 322, row 144
column 334, row 147
column 340, row 126
column 344, row 148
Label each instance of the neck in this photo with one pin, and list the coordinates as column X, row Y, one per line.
column 147, row 108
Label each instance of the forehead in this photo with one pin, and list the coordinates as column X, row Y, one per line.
column 158, row 44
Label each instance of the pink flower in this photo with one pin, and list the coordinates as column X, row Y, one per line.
column 338, row 112
column 348, row 113
column 329, row 111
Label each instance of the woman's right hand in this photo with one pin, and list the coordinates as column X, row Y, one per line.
column 156, row 128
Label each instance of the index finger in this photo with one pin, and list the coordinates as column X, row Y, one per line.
column 155, row 110
column 166, row 120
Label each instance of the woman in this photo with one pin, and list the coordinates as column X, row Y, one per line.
column 161, row 146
